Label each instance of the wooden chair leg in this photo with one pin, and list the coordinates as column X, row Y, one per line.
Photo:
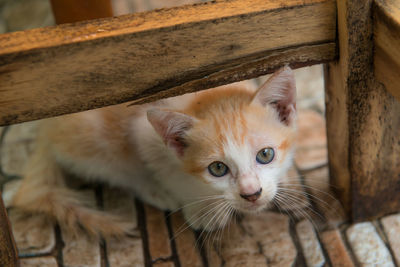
column 363, row 122
column 8, row 251
column 66, row 11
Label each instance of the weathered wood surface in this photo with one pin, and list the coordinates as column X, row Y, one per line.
column 363, row 122
column 66, row 11
column 74, row 67
column 8, row 251
column 387, row 44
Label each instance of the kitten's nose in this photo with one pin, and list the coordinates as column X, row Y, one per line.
column 252, row 197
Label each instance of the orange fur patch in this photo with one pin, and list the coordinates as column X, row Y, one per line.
column 284, row 145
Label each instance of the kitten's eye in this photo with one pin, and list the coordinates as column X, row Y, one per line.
column 218, row 169
column 265, row 155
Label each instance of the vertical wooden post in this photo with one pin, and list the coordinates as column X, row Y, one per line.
column 8, row 251
column 66, row 11
column 363, row 122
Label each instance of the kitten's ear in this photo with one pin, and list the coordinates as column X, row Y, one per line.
column 171, row 126
column 279, row 91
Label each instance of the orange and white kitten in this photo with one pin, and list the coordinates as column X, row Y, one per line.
column 210, row 152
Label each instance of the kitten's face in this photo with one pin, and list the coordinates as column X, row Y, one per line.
column 240, row 152
column 238, row 142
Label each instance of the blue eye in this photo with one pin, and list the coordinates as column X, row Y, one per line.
column 218, row 169
column 265, row 155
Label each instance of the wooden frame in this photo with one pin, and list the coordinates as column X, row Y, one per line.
column 107, row 61
column 74, row 67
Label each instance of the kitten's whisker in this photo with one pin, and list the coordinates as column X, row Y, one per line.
column 220, row 231
column 275, row 201
column 312, row 188
column 217, row 213
column 214, row 222
column 295, row 195
column 220, row 220
column 312, row 176
column 326, row 205
column 278, row 202
column 304, row 193
column 227, row 219
column 234, row 219
column 314, row 179
column 207, row 213
column 190, row 222
column 322, row 203
column 303, row 211
column 197, row 202
column 306, row 178
column 292, row 177
column 203, row 208
column 290, row 203
column 210, row 234
column 296, row 199
column 204, row 230
column 310, row 208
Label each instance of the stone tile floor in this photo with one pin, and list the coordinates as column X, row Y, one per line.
column 312, row 232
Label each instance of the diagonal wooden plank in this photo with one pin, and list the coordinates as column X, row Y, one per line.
column 74, row 67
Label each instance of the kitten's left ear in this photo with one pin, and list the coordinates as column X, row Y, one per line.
column 171, row 126
column 279, row 91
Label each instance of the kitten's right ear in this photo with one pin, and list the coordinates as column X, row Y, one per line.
column 279, row 91
column 171, row 126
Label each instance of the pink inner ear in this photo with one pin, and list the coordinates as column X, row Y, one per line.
column 285, row 111
column 280, row 92
column 177, row 143
column 172, row 127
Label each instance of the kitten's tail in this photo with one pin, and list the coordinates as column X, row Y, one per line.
column 43, row 190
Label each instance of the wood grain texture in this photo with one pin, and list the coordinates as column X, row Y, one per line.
column 66, row 11
column 74, row 67
column 387, row 44
column 8, row 251
column 363, row 125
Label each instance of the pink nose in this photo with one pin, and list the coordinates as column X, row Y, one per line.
column 252, row 197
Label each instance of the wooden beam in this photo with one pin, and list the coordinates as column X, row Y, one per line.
column 387, row 44
column 66, row 11
column 8, row 251
column 363, row 122
column 74, row 67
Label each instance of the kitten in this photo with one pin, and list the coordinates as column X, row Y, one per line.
column 210, row 152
